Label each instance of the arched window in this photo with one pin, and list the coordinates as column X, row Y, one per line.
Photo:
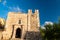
column 19, row 21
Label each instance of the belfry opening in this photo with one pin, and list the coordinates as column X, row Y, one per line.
column 18, row 33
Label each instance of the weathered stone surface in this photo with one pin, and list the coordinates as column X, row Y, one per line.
column 33, row 36
column 22, row 23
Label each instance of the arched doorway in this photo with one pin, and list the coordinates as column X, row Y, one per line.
column 18, row 33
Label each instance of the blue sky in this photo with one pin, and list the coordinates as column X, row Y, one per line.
column 49, row 9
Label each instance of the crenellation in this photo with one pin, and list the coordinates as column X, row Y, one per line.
column 28, row 23
column 29, row 11
column 36, row 11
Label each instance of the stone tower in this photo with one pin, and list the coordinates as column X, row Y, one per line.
column 22, row 25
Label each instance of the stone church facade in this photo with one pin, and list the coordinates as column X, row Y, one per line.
column 22, row 25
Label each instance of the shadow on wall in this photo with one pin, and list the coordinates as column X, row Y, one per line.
column 32, row 36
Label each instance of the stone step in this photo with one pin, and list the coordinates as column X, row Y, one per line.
column 12, row 39
column 16, row 39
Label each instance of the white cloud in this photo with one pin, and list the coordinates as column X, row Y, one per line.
column 15, row 9
column 0, row 0
column 42, row 27
column 18, row 8
column 48, row 22
column 12, row 8
column 4, row 2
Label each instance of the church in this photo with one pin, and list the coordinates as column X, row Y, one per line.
column 24, row 26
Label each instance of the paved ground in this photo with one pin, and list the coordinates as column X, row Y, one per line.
column 11, row 39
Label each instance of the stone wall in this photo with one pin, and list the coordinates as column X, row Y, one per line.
column 30, row 25
column 32, row 36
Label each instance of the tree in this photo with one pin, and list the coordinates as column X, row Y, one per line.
column 51, row 32
column 2, row 23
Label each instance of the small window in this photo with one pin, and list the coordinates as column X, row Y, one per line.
column 19, row 21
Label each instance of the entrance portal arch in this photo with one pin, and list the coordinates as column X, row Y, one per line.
column 18, row 33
